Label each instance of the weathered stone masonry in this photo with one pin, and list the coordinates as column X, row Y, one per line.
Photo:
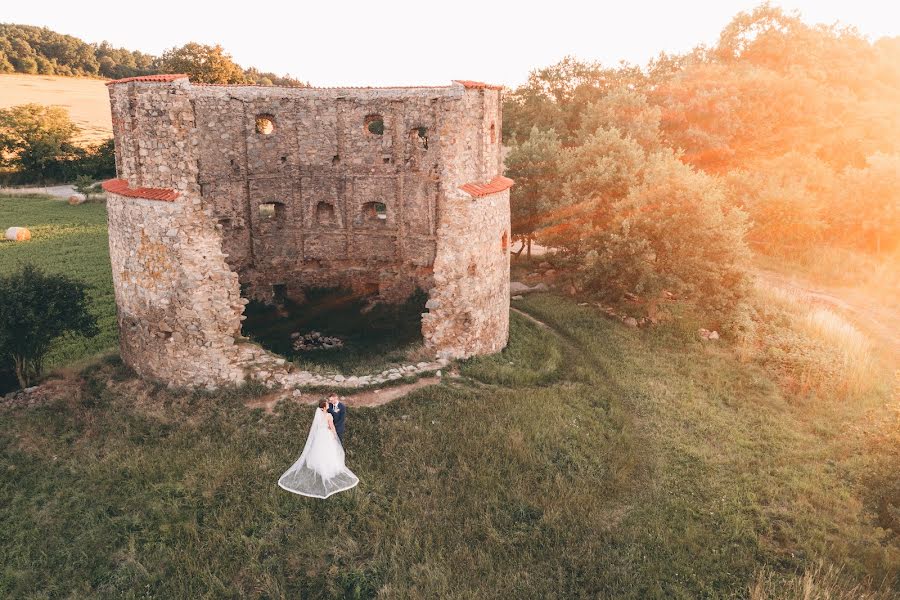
column 277, row 190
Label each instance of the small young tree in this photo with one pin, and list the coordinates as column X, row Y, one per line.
column 84, row 184
column 35, row 309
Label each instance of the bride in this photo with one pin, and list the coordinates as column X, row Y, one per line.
column 320, row 470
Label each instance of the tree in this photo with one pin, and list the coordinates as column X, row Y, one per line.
column 84, row 184
column 786, row 199
column 35, row 309
column 629, row 112
column 674, row 231
column 203, row 64
column 870, row 219
column 34, row 137
column 555, row 97
column 592, row 176
column 533, row 164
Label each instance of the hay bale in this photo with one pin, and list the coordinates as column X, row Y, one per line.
column 76, row 200
column 17, row 234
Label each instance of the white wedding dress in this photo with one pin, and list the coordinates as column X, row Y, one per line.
column 320, row 470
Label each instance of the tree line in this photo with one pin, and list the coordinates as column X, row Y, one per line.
column 41, row 51
column 37, row 145
column 781, row 138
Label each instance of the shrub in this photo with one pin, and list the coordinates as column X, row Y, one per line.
column 674, row 231
column 84, row 184
column 35, row 309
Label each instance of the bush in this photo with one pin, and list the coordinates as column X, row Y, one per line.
column 675, row 232
column 37, row 146
column 84, row 184
column 35, row 309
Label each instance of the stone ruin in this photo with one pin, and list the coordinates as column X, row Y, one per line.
column 230, row 193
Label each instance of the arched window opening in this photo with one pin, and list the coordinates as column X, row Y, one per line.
column 419, row 137
column 325, row 213
column 271, row 211
column 504, row 243
column 375, row 124
column 265, row 124
column 374, row 213
column 493, row 134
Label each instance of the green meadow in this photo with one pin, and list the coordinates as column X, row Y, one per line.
column 586, row 460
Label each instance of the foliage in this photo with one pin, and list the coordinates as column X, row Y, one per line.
column 84, row 184
column 202, row 63
column 643, row 468
column 533, row 164
column 800, row 120
column 72, row 241
column 555, row 97
column 37, row 145
column 673, row 232
column 627, row 111
column 870, row 219
column 38, row 50
column 34, row 137
column 35, row 309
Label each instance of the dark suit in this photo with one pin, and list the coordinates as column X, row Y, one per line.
column 338, row 412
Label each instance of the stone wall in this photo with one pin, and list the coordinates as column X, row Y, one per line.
column 379, row 190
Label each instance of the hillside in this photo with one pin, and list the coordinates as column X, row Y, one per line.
column 38, row 50
column 86, row 100
column 607, row 462
column 588, row 459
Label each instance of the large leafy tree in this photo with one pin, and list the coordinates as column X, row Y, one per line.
column 555, row 97
column 673, row 231
column 33, row 137
column 35, row 309
column 534, row 164
column 202, row 63
column 870, row 219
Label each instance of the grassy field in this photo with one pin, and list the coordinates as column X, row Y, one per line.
column 87, row 100
column 586, row 460
column 609, row 462
column 70, row 240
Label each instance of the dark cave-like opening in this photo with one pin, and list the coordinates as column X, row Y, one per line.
column 371, row 333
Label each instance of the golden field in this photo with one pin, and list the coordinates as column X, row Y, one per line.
column 86, row 100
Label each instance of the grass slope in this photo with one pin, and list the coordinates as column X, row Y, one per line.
column 87, row 100
column 71, row 240
column 609, row 462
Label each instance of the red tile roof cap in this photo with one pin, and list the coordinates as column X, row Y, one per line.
column 477, row 85
column 497, row 184
column 150, row 78
column 121, row 188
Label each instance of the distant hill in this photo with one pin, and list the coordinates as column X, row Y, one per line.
column 34, row 50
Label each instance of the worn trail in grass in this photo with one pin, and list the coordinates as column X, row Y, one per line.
column 601, row 462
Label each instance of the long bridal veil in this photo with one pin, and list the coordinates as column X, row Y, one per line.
column 320, row 470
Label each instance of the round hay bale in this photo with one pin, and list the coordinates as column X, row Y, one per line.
column 17, row 234
column 76, row 200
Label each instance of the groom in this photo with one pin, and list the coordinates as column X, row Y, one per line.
column 338, row 411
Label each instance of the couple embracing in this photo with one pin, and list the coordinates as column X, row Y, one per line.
column 320, row 471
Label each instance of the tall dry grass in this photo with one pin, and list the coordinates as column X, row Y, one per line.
column 812, row 347
column 821, row 582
